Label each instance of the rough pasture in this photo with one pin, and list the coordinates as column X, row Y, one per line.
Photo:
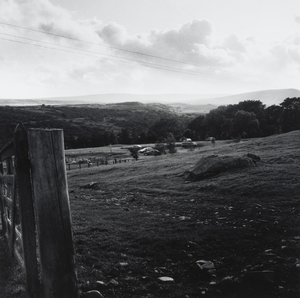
column 137, row 222
column 134, row 223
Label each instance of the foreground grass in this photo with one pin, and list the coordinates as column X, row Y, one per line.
column 134, row 222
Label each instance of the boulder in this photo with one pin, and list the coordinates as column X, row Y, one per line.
column 213, row 165
column 92, row 294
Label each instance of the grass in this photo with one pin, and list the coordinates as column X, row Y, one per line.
column 145, row 215
column 138, row 221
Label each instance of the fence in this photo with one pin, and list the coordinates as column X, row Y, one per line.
column 96, row 163
column 35, row 212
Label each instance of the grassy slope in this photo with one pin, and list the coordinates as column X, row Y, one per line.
column 141, row 221
column 144, row 214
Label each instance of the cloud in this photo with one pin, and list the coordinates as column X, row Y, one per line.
column 190, row 43
column 43, row 15
column 113, row 34
column 184, row 38
column 235, row 44
column 195, row 43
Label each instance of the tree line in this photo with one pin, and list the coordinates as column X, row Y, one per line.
column 247, row 119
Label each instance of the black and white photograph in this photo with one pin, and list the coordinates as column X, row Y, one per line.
column 149, row 149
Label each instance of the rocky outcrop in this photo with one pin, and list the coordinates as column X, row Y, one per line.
column 213, row 165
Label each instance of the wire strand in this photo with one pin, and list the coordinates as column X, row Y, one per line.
column 116, row 48
column 111, row 57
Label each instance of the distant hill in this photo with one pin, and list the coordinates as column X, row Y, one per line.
column 111, row 99
column 268, row 97
column 182, row 103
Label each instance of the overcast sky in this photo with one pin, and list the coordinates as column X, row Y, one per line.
column 52, row 48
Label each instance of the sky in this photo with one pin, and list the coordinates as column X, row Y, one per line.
column 59, row 48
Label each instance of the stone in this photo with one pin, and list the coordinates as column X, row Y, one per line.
column 92, row 294
column 213, row 165
column 205, row 264
column 165, row 278
column 113, row 283
column 227, row 284
column 100, row 285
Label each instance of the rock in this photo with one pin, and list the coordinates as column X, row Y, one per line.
column 100, row 285
column 213, row 165
column 165, row 278
column 92, row 294
column 204, row 270
column 90, row 185
column 113, row 283
column 205, row 264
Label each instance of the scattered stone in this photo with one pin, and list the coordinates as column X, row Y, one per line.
column 90, row 185
column 92, row 294
column 113, row 283
column 205, row 264
column 100, row 285
column 165, row 278
column 227, row 284
column 192, row 244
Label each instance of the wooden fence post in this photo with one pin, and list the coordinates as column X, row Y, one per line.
column 23, row 180
column 53, row 215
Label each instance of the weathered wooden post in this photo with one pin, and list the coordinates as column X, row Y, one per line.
column 54, row 226
column 23, row 180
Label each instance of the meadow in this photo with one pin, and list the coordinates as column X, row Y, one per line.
column 141, row 230
column 137, row 222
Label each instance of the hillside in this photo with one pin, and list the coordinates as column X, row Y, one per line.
column 84, row 125
column 136, row 222
column 140, row 221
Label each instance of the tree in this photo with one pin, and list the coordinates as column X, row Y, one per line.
column 197, row 128
column 273, row 120
column 134, row 152
column 215, row 123
column 244, row 123
column 290, row 117
column 124, row 137
column 171, row 143
column 164, row 126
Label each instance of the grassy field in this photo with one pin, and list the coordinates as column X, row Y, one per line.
column 135, row 222
column 138, row 221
